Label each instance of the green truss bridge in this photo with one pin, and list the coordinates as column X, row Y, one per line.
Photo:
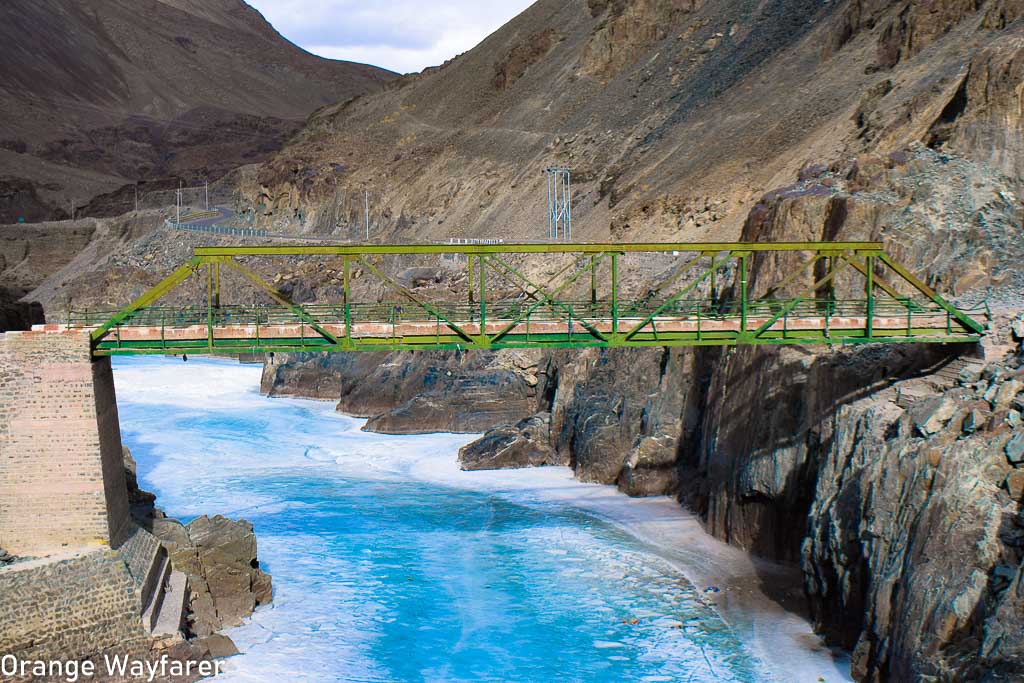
column 495, row 296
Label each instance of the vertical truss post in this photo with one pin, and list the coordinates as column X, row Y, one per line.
column 483, row 295
column 714, row 287
column 209, row 305
column 869, row 290
column 216, row 284
column 743, row 292
column 615, row 293
column 469, row 283
column 347, row 293
column 593, row 280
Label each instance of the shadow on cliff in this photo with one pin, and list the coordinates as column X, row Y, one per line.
column 751, row 468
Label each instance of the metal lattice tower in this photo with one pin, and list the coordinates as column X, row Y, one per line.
column 559, row 204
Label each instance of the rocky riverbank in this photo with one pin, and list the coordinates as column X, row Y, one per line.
column 219, row 557
column 151, row 609
column 414, row 393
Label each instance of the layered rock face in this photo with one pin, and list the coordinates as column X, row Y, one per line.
column 615, row 417
column 219, row 557
column 916, row 523
column 414, row 393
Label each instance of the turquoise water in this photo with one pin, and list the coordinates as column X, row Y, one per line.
column 384, row 572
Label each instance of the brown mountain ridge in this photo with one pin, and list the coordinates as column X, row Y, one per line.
column 676, row 117
column 96, row 95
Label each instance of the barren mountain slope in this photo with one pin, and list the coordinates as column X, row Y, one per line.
column 121, row 90
column 894, row 475
column 675, row 117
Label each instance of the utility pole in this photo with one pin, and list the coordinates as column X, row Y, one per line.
column 177, row 206
column 136, row 198
column 366, row 205
column 72, row 209
column 207, row 195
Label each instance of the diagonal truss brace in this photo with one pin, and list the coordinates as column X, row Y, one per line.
column 541, row 295
column 170, row 282
column 715, row 265
column 412, row 297
column 966, row 321
column 295, row 308
column 547, row 297
column 186, row 271
column 805, row 296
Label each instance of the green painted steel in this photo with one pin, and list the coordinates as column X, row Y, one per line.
column 584, row 304
column 540, row 248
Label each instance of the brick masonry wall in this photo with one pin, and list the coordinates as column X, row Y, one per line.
column 140, row 551
column 62, row 481
column 71, row 609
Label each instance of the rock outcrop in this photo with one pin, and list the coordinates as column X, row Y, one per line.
column 410, row 393
column 615, row 417
column 18, row 315
column 218, row 555
column 526, row 444
column 916, row 524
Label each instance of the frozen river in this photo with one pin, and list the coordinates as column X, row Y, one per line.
column 389, row 564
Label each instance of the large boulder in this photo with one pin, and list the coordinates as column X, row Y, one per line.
column 415, row 392
column 227, row 583
column 527, row 444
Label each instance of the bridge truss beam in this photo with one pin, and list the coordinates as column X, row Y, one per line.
column 804, row 293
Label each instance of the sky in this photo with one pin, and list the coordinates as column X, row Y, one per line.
column 402, row 35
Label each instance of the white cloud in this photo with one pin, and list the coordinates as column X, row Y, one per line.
column 401, row 35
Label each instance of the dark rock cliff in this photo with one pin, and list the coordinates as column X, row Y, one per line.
column 411, row 393
column 916, row 525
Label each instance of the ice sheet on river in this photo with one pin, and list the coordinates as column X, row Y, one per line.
column 392, row 565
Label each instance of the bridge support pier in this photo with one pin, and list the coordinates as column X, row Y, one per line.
column 62, row 481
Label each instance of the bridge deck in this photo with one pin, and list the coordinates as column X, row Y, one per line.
column 409, row 334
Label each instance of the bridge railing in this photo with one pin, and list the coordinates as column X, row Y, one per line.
column 168, row 316
column 218, row 229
